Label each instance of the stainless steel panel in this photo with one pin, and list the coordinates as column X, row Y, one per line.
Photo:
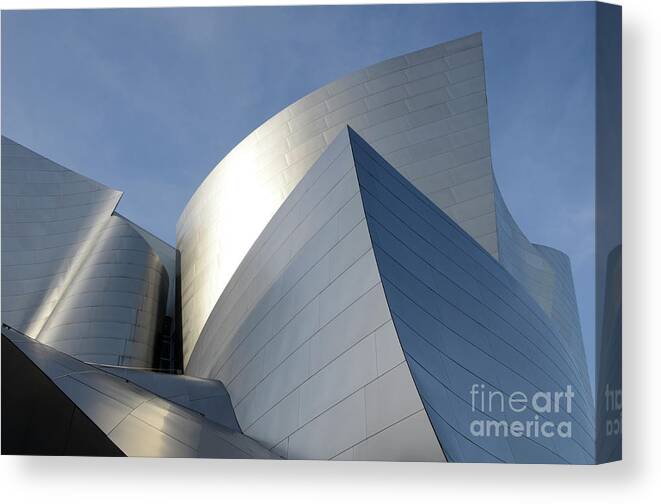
column 58, row 241
column 304, row 320
column 120, row 291
column 74, row 275
column 139, row 422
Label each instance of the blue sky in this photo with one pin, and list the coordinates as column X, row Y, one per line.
column 147, row 101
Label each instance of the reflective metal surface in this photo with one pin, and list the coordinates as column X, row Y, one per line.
column 208, row 397
column 112, row 309
column 354, row 267
column 302, row 336
column 426, row 112
column 51, row 217
column 136, row 420
column 38, row 418
column 349, row 300
column 546, row 275
column 466, row 324
column 75, row 275
column 167, row 254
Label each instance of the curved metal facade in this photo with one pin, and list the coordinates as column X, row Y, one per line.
column 302, row 336
column 465, row 324
column 51, row 217
column 260, row 303
column 426, row 112
column 112, row 310
column 75, row 275
column 350, row 291
column 363, row 316
column 546, row 275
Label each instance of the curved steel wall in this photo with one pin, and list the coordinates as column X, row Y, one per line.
column 74, row 275
column 546, row 275
column 168, row 256
column 564, row 308
column 426, row 112
column 357, row 323
column 50, row 218
column 302, row 336
column 112, row 310
column 466, row 324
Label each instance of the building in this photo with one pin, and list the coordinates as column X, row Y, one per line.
column 75, row 274
column 373, row 300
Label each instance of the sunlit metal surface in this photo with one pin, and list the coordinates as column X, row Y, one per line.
column 75, row 275
column 112, row 309
column 139, row 422
column 51, row 217
column 285, row 297
column 303, row 339
column 362, row 315
column 208, row 397
column 426, row 112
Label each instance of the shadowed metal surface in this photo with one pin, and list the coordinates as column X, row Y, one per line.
column 168, row 257
column 137, row 421
column 354, row 267
column 38, row 418
column 463, row 320
column 546, row 275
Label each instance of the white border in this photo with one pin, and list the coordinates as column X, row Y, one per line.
column 54, row 480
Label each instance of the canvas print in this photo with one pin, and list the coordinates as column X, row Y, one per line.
column 385, row 232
